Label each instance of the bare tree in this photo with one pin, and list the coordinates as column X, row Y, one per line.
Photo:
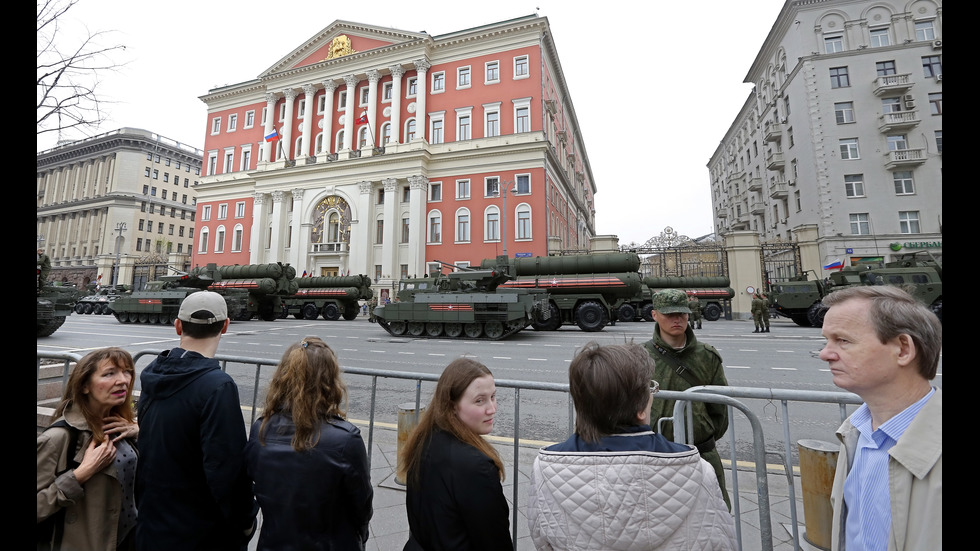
column 68, row 71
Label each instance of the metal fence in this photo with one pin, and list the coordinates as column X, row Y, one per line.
column 682, row 419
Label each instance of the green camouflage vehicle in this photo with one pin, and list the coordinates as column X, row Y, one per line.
column 330, row 297
column 99, row 302
column 54, row 305
column 713, row 292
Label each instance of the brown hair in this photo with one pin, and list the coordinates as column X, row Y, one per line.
column 442, row 413
column 306, row 386
column 609, row 386
column 78, row 381
column 893, row 312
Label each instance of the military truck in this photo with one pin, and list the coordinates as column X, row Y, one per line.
column 328, row 296
column 585, row 290
column 467, row 303
column 264, row 286
column 711, row 291
column 919, row 273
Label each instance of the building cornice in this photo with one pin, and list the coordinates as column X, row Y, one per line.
column 123, row 139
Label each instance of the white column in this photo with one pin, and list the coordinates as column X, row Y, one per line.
column 351, row 82
column 361, row 223
column 270, row 113
column 276, row 243
column 373, row 77
column 418, row 196
column 299, row 246
column 328, row 98
column 389, row 247
column 256, row 246
column 308, row 91
column 421, row 124
column 397, row 72
column 287, row 124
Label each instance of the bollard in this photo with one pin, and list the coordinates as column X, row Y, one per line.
column 407, row 421
column 818, row 462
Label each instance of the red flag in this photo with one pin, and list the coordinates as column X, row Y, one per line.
column 363, row 118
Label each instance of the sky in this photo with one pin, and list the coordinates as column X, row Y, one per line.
column 655, row 84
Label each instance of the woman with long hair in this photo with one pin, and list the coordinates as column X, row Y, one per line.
column 309, row 464
column 86, row 460
column 455, row 499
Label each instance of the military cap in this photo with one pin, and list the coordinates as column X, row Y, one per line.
column 671, row 301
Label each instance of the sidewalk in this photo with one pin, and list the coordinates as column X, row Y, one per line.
column 389, row 527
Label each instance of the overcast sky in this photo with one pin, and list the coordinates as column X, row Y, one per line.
column 655, row 84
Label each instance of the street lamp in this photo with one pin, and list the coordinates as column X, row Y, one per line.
column 120, row 228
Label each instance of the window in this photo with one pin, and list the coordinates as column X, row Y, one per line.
column 492, row 187
column 491, row 224
column 215, row 125
column 438, row 82
column 523, row 221
column 406, row 194
column 860, row 224
column 833, row 44
column 844, row 111
column 464, row 129
column 839, row 78
column 789, row 135
column 854, row 185
column 153, row 191
column 435, row 191
column 849, row 149
column 435, row 227
column 522, row 120
column 212, row 163
column 203, row 247
column 386, row 91
column 282, row 111
column 265, row 110
column 521, row 67
column 936, row 103
column 879, row 37
column 405, row 232
column 463, row 77
column 219, row 240
column 142, row 224
column 386, row 133
column 939, row 141
column 897, row 143
column 925, row 31
column 903, row 182
column 206, row 213
column 342, row 101
column 492, row 121
column 381, row 197
column 410, row 130
column 246, row 157
column 171, row 230
column 885, row 68
column 891, row 105
column 379, row 232
column 908, row 221
column 229, row 161
column 146, row 172
column 463, row 226
column 492, row 72
column 232, row 123
column 222, row 211
column 523, row 184
column 139, row 243
column 362, row 137
column 166, row 177
column 931, row 66
column 365, row 95
column 249, row 120
column 236, row 241
column 180, row 231
column 799, row 200
column 183, row 198
column 436, row 134
column 156, row 174
column 413, row 87
column 462, row 189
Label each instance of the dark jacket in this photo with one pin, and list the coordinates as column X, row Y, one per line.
column 192, row 491
column 458, row 503
column 316, row 499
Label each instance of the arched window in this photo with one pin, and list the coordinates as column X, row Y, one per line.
column 319, row 143
column 386, row 133
column 410, row 130
column 463, row 225
column 203, row 247
column 522, row 224
column 236, row 241
column 298, row 152
column 435, row 227
column 491, row 224
column 333, row 228
column 339, row 141
column 219, row 240
column 362, row 137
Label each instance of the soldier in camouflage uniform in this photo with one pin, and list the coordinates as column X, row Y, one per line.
column 695, row 305
column 372, row 304
column 757, row 307
column 765, row 311
column 43, row 268
column 683, row 362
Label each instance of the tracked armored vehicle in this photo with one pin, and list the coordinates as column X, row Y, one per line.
column 54, row 305
column 330, row 297
column 467, row 304
column 99, row 302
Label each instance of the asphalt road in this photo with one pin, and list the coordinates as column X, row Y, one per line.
column 780, row 359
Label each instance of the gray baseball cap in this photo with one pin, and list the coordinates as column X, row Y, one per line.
column 203, row 307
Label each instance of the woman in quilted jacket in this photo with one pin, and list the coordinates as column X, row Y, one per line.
column 616, row 484
column 455, row 500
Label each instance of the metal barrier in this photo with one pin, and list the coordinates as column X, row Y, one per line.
column 710, row 394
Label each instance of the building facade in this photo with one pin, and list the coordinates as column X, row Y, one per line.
column 389, row 150
column 130, row 180
column 841, row 139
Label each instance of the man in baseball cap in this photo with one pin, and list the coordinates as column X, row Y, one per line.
column 203, row 308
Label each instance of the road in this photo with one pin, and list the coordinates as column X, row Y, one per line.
column 780, row 359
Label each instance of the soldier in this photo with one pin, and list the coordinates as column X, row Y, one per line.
column 765, row 311
column 695, row 305
column 372, row 304
column 43, row 268
column 757, row 307
column 682, row 363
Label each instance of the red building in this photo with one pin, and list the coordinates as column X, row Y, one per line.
column 388, row 150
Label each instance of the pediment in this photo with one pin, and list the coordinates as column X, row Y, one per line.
column 322, row 46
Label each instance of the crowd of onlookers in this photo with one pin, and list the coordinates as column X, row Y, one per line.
column 187, row 477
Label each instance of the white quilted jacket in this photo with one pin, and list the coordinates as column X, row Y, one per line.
column 627, row 500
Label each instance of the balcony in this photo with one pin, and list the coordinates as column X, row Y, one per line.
column 779, row 190
column 757, row 208
column 775, row 160
column 905, row 158
column 892, row 84
column 755, row 183
column 329, row 248
column 773, row 131
column 891, row 122
column 722, row 213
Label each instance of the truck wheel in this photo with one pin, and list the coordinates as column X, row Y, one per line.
column 815, row 314
column 626, row 313
column 647, row 312
column 309, row 312
column 711, row 312
column 800, row 319
column 331, row 312
column 350, row 312
column 591, row 316
column 552, row 323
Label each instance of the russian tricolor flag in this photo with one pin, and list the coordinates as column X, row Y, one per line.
column 835, row 265
column 272, row 136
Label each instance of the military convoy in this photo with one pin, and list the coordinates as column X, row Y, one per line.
column 328, row 296
column 467, row 303
column 918, row 273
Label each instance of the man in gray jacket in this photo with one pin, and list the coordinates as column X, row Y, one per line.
column 884, row 346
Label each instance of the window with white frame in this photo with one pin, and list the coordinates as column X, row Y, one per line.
column 885, row 68
column 222, row 211
column 891, row 105
column 386, row 133
column 212, row 163
column 236, row 240
column 219, row 240
column 879, row 37
column 437, row 127
column 215, row 125
column 849, row 149
column 321, row 104
column 300, row 149
column 229, row 161
column 301, row 109
column 463, row 225
column 522, row 115
column 434, row 233
column 362, row 137
column 412, row 89
column 265, row 111
column 386, row 91
column 339, row 141
column 435, row 191
column 438, row 82
column 491, row 224
column 839, row 78
column 240, row 209
column 860, row 223
column 203, row 241
column 464, row 123
column 908, row 221
column 246, row 158
column 410, row 130
column 521, row 67
column 492, row 186
column 365, row 96
column 206, row 213
column 522, row 184
column 925, row 30
column 249, row 119
column 405, row 234
column 318, row 143
column 232, row 122
column 282, row 111
column 342, row 100
column 491, row 120
column 463, row 77
column 904, row 185
column 462, row 189
column 523, row 224
column 854, row 185
column 492, row 72
column 897, row 143
column 844, row 112
column 379, row 231
column 833, row 43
